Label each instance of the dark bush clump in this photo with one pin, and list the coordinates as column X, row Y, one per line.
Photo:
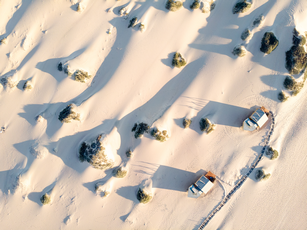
column 173, row 5
column 258, row 20
column 246, row 34
column 45, row 199
column 269, row 43
column 296, row 59
column 178, row 60
column 140, row 129
column 68, row 114
column 143, row 196
column 261, row 175
column 239, row 51
column 60, row 66
column 186, row 122
column 160, row 136
column 120, row 172
column 206, row 125
column 282, row 97
column 129, row 153
column 272, row 153
column 133, row 22
column 241, row 6
column 195, row 5
column 291, row 84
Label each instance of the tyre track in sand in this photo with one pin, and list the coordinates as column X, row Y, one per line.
column 241, row 181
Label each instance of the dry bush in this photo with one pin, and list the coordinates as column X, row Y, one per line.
column 269, row 43
column 282, row 96
column 129, row 153
column 160, row 136
column 82, row 76
column 143, row 196
column 140, row 129
column 45, row 199
column 195, row 5
column 186, row 122
column 206, row 125
column 239, row 51
column 27, row 86
column 272, row 153
column 173, row 5
column 241, row 6
column 68, row 114
column 246, row 34
column 120, row 172
column 178, row 60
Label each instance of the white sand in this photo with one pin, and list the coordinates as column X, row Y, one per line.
column 133, row 81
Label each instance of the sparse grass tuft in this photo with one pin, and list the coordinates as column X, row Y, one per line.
column 68, row 114
column 206, row 125
column 269, row 43
column 82, row 76
column 45, row 199
column 272, row 153
column 143, row 196
column 178, row 60
column 160, row 136
column 186, row 122
column 282, row 96
column 173, row 5
column 241, row 6
column 120, row 172
column 140, row 129
column 195, row 5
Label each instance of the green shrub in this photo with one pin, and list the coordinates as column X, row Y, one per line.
column 129, row 153
column 68, row 114
column 206, row 125
column 160, row 136
column 272, row 153
column 291, row 84
column 173, row 5
column 140, row 129
column 258, row 20
column 186, row 122
column 143, row 196
column 241, row 6
column 133, row 22
column 60, row 66
column 120, row 172
column 27, row 86
column 82, row 76
column 297, row 39
column 261, row 175
column 178, row 60
column 296, row 59
column 282, row 97
column 269, row 43
column 239, row 51
column 195, row 5
column 246, row 34
column 45, row 199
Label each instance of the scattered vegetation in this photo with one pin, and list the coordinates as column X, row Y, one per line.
column 133, row 22
column 239, row 51
column 99, row 189
column 173, row 5
column 142, row 27
column 3, row 41
column 282, row 96
column 120, row 172
column 261, row 175
column 9, row 81
column 258, row 20
column 178, row 60
column 94, row 153
column 246, row 34
column 123, row 11
column 81, row 76
column 269, row 43
column 195, row 5
column 143, row 196
column 67, row 70
column 186, row 122
column 206, row 125
column 27, row 85
column 45, row 199
column 291, row 84
column 68, row 114
column 140, row 129
column 129, row 153
column 272, row 153
column 160, row 136
column 241, row 6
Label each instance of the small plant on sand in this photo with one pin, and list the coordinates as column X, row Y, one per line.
column 81, row 76
column 45, row 199
column 160, row 136
column 173, row 5
column 178, row 60
column 68, row 114
column 206, row 125
column 258, row 20
column 261, row 175
column 101, row 191
column 142, row 27
column 140, row 129
column 27, row 85
column 282, row 96
column 143, row 196
column 246, row 34
column 120, row 172
column 241, row 6
column 129, row 153
column 195, row 5
column 269, row 43
column 272, row 153
column 133, row 22
column 60, row 66
column 186, row 123
column 291, row 84
column 3, row 41
column 239, row 51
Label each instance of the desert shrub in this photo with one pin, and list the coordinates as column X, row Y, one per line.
column 261, row 175
column 246, row 34
column 67, row 70
column 297, row 39
column 122, row 11
column 94, row 153
column 142, row 27
column 60, row 66
column 195, row 5
column 296, row 59
column 282, row 96
column 143, row 196
column 160, row 136
column 45, row 199
column 186, row 122
column 9, row 81
column 140, row 129
column 68, row 114
column 266, row 176
column 27, row 85
column 269, row 43
column 258, row 20
column 239, row 51
column 178, row 60
column 99, row 190
column 129, row 153
column 3, row 41
column 120, row 172
column 81, row 76
column 241, row 6
column 173, row 5
column 133, row 22
column 291, row 84
column 272, row 153
column 206, row 125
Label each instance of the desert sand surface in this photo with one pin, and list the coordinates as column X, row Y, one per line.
column 131, row 79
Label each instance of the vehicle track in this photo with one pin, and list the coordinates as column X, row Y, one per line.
column 241, row 181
